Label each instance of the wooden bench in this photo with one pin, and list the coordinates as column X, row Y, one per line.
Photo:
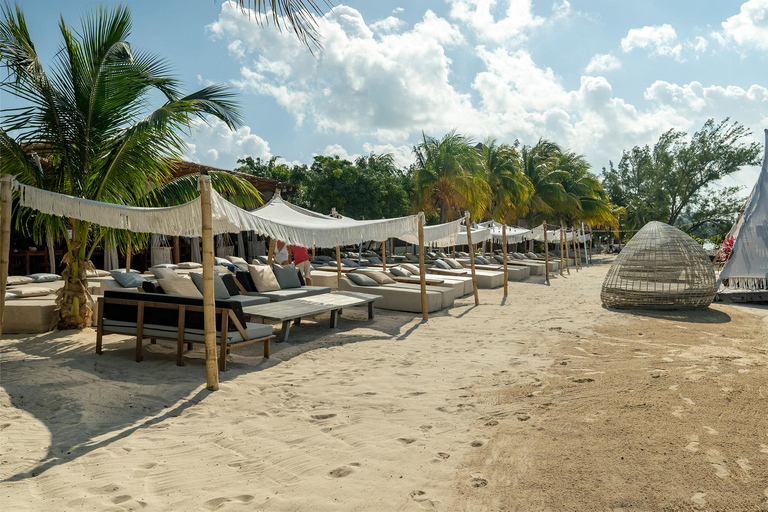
column 228, row 319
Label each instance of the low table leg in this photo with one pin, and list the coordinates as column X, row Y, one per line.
column 297, row 321
column 284, row 333
column 334, row 318
column 370, row 311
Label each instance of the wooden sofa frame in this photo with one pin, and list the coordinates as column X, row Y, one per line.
column 227, row 316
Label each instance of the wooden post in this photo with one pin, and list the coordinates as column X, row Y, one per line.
column 176, row 250
column 6, row 196
column 504, row 256
column 472, row 257
column 561, row 250
column 384, row 254
column 567, row 252
column 575, row 250
column 589, row 226
column 338, row 265
column 128, row 255
column 422, row 270
column 209, row 302
column 271, row 252
column 546, row 252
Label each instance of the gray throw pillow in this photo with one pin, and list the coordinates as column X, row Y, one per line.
column 349, row 263
column 361, row 279
column 286, row 276
column 400, row 272
column 453, row 263
column 480, row 261
column 222, row 261
column 443, row 265
column 219, row 288
column 127, row 280
column 44, row 278
column 163, row 272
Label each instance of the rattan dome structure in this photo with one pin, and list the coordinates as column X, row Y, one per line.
column 660, row 268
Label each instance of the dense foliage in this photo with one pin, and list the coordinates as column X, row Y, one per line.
column 678, row 181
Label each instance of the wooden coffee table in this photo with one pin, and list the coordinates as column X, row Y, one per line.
column 292, row 311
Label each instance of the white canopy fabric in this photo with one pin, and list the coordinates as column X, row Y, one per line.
column 748, row 265
column 440, row 235
column 553, row 235
column 277, row 219
column 513, row 235
column 479, row 235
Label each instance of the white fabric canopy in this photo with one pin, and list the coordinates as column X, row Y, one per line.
column 277, row 219
column 748, row 265
column 513, row 235
column 440, row 235
column 479, row 235
column 553, row 235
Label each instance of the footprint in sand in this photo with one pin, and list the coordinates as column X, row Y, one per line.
column 443, row 455
column 476, row 443
column 478, row 481
column 415, row 495
column 340, row 472
column 693, row 443
column 216, row 503
column 407, row 440
column 323, row 416
column 711, row 431
column 764, row 448
column 491, row 423
column 744, row 465
column 698, row 500
column 717, row 461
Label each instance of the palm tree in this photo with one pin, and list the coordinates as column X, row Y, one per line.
column 510, row 188
column 298, row 14
column 449, row 177
column 89, row 120
column 539, row 164
column 587, row 200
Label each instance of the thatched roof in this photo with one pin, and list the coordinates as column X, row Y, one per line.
column 184, row 167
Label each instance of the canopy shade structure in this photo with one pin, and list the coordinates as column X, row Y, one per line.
column 277, row 219
column 440, row 235
column 479, row 235
column 660, row 268
column 553, row 235
column 514, row 235
column 747, row 267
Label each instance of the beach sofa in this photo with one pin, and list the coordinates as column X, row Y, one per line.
column 158, row 317
column 248, row 287
column 397, row 298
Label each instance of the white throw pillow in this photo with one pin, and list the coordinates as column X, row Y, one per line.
column 33, row 291
column 263, row 278
column 179, row 286
column 190, row 264
column 17, row 280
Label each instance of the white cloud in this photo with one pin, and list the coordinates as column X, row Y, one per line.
column 402, row 155
column 602, row 62
column 213, row 143
column 387, row 25
column 699, row 44
column 338, row 150
column 518, row 19
column 749, row 28
column 397, row 10
column 657, row 40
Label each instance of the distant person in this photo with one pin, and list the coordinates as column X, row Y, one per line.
column 282, row 254
column 302, row 259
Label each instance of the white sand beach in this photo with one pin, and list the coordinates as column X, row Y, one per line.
column 542, row 401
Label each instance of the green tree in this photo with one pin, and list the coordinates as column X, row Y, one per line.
column 676, row 181
column 449, row 177
column 90, row 121
column 510, row 188
column 549, row 198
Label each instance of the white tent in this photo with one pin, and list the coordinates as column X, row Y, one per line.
column 514, row 235
column 747, row 268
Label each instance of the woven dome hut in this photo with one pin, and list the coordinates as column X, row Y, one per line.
column 660, row 268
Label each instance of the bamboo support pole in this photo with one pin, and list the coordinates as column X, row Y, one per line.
column 546, row 253
column 209, row 303
column 176, row 250
column 504, row 257
column 575, row 250
column 271, row 252
column 6, row 196
column 567, row 252
column 338, row 265
column 472, row 257
column 590, row 243
column 384, row 254
column 128, row 254
column 422, row 270
column 561, row 250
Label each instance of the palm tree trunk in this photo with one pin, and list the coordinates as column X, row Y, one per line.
column 74, row 305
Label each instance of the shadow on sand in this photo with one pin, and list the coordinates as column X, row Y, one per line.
column 699, row 316
column 87, row 401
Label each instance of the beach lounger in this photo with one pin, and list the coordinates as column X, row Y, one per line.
column 397, row 298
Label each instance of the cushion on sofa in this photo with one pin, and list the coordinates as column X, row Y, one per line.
column 231, row 284
column 380, row 277
column 413, row 269
column 16, row 280
column 361, row 279
column 150, row 287
column 443, row 265
column 295, row 293
column 219, row 288
column 96, row 273
column 190, row 264
column 180, row 286
column 163, row 272
column 32, row 291
column 286, row 276
column 263, row 278
column 238, row 262
column 400, row 272
column 44, row 277
column 127, row 279
column 10, row 296
column 222, row 261
column 349, row 263
column 164, row 265
column 453, row 263
column 244, row 278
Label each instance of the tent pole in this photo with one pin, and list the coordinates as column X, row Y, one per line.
column 271, row 252
column 504, row 256
column 472, row 257
column 561, row 250
column 546, row 252
column 575, row 250
column 209, row 303
column 567, row 252
column 6, row 196
column 422, row 271
column 128, row 255
column 176, row 250
column 384, row 254
column 338, row 266
column 589, row 226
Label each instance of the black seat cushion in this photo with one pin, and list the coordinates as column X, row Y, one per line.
column 229, row 282
column 245, row 279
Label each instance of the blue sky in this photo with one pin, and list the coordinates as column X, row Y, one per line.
column 597, row 76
